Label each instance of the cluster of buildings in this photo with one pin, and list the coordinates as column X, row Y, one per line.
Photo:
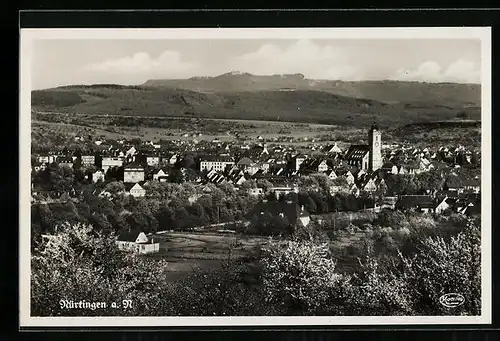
column 358, row 168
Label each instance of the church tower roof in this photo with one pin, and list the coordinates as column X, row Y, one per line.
column 374, row 126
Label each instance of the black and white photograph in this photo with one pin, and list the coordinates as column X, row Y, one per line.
column 335, row 176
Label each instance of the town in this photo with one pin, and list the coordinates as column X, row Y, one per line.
column 281, row 180
column 280, row 176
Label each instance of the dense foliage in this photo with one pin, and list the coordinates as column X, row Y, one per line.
column 294, row 276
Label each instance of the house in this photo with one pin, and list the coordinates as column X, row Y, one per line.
column 284, row 189
column 98, row 175
column 46, row 159
column 240, row 179
column 454, row 184
column 298, row 160
column 244, row 162
column 161, row 175
column 290, row 211
column 214, row 177
column 334, row 189
column 131, row 151
column 315, row 166
column 135, row 189
column 419, row 203
column 152, row 160
column 445, row 204
column 111, row 161
column 389, row 203
column 136, row 242
column 390, row 168
column 65, row 161
column 133, row 173
column 347, row 175
column 218, row 163
column 369, row 186
column 333, row 149
column 255, row 191
column 331, row 174
column 88, row 160
column 172, row 159
column 472, row 185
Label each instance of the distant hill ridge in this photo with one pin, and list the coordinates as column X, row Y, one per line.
column 300, row 105
column 381, row 90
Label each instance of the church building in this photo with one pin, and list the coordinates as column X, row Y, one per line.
column 367, row 157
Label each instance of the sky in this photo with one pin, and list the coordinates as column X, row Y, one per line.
column 130, row 62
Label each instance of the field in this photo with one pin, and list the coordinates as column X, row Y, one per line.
column 186, row 252
column 156, row 129
column 49, row 126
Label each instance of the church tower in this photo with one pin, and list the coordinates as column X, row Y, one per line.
column 375, row 145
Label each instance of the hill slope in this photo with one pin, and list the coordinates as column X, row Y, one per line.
column 298, row 106
column 450, row 94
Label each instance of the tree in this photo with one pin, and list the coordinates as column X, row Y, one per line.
column 264, row 184
column 474, row 160
column 430, row 181
column 376, row 291
column 80, row 263
column 188, row 161
column 299, row 276
column 115, row 188
column 308, row 203
column 444, row 266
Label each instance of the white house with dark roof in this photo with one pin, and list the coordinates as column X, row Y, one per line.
column 133, row 173
column 137, row 242
column 217, row 163
column 160, row 175
column 135, row 189
column 88, row 160
column 111, row 161
column 152, row 160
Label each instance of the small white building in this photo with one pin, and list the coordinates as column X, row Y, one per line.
column 88, row 160
column 153, row 160
column 139, row 243
column 111, row 161
column 133, row 173
column 135, row 190
column 217, row 163
column 255, row 191
column 161, row 175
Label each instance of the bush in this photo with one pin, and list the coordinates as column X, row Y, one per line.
column 391, row 218
column 442, row 267
column 375, row 291
column 299, row 277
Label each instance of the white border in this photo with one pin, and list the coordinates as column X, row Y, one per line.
column 27, row 36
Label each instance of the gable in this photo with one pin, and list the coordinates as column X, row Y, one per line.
column 141, row 238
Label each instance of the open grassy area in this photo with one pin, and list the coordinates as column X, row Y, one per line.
column 187, row 252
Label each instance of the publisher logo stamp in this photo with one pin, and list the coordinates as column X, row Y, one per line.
column 452, row 300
